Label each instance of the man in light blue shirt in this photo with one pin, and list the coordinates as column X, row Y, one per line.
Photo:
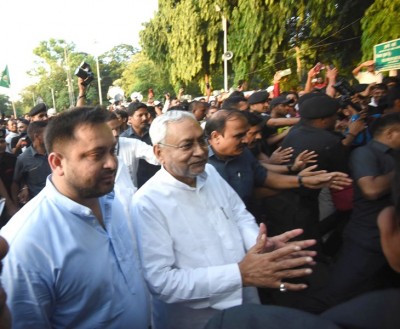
column 72, row 260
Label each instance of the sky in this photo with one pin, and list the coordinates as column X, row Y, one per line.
column 95, row 26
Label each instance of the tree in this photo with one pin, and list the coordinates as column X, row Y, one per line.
column 185, row 37
column 56, row 61
column 141, row 74
column 5, row 105
column 380, row 24
column 112, row 64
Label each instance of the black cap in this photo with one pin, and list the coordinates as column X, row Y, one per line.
column 39, row 108
column 258, row 97
column 280, row 100
column 318, row 107
column 307, row 96
column 24, row 121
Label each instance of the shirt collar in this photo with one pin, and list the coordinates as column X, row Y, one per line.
column 132, row 132
column 380, row 146
column 172, row 181
column 76, row 208
column 212, row 154
column 33, row 151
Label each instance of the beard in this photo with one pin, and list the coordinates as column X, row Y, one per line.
column 94, row 192
column 95, row 187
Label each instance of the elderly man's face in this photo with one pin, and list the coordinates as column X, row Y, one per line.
column 184, row 150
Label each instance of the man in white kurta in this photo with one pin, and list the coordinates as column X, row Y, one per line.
column 192, row 239
column 194, row 234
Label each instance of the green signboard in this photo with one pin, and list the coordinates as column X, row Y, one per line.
column 387, row 55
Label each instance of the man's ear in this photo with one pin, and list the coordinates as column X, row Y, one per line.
column 390, row 132
column 56, row 165
column 214, row 137
column 158, row 152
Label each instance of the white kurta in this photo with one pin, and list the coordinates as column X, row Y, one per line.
column 130, row 150
column 190, row 242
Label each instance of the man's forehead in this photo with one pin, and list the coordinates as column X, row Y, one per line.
column 237, row 123
column 255, row 129
column 140, row 111
column 183, row 129
column 86, row 132
column 114, row 123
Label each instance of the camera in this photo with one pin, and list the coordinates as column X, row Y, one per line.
column 84, row 72
column 344, row 88
column 346, row 92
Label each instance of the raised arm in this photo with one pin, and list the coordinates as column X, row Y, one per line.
column 81, row 101
column 359, row 67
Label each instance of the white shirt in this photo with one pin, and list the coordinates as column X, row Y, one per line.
column 130, row 150
column 64, row 270
column 8, row 139
column 367, row 77
column 190, row 242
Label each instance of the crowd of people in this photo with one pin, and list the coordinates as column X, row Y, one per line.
column 252, row 208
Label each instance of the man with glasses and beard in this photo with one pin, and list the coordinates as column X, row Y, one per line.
column 201, row 250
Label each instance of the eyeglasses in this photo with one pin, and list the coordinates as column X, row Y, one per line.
column 188, row 146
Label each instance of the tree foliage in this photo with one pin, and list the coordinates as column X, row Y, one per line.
column 381, row 23
column 186, row 39
column 141, row 74
column 56, row 59
column 183, row 45
column 113, row 63
column 5, row 105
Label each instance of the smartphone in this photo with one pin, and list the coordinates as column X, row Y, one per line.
column 285, row 72
column 318, row 67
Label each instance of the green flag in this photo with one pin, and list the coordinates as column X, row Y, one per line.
column 5, row 78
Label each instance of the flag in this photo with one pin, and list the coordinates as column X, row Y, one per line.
column 5, row 78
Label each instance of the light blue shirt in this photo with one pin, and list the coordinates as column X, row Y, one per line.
column 64, row 270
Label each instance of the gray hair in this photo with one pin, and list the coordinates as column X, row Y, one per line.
column 159, row 126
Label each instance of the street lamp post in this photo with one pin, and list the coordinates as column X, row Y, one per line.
column 52, row 96
column 225, row 54
column 97, row 52
column 69, row 81
column 98, row 80
column 225, row 29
